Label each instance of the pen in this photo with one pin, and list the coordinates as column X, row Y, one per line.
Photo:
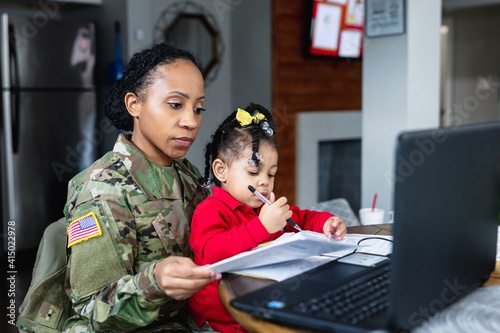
column 264, row 200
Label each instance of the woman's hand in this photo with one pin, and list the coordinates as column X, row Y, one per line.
column 180, row 277
column 334, row 228
column 273, row 217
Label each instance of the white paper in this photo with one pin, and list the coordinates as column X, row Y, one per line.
column 340, row 2
column 350, row 43
column 362, row 259
column 326, row 27
column 375, row 244
column 290, row 246
column 355, row 12
column 285, row 270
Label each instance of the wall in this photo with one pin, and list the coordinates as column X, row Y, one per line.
column 251, row 53
column 459, row 4
column 400, row 92
column 302, row 85
column 474, row 55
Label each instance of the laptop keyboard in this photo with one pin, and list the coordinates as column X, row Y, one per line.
column 353, row 302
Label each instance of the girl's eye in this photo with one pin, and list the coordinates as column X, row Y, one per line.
column 272, row 176
column 199, row 110
column 175, row 105
column 253, row 173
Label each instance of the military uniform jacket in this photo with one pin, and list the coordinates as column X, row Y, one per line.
column 140, row 213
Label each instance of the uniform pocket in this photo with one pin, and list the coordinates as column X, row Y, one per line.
column 173, row 234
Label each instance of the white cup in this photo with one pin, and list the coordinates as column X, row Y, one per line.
column 367, row 216
column 391, row 216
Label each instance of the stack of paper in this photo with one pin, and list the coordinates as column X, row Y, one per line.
column 294, row 253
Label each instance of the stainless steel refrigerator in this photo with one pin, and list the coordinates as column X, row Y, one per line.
column 48, row 119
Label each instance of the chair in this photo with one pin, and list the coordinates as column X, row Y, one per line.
column 46, row 306
column 339, row 207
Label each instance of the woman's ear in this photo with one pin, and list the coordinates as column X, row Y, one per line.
column 219, row 168
column 132, row 104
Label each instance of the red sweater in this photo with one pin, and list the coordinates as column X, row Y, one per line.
column 221, row 228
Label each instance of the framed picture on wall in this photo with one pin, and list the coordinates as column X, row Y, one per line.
column 384, row 17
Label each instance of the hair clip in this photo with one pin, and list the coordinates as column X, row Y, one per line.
column 245, row 118
column 253, row 162
column 266, row 128
column 206, row 183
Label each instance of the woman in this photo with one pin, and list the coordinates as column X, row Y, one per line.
column 129, row 213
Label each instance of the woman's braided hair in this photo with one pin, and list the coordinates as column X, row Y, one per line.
column 137, row 75
column 231, row 139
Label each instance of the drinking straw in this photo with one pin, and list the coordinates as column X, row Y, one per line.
column 374, row 201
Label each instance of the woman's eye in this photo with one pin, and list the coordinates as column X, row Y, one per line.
column 272, row 176
column 176, row 105
column 199, row 110
column 253, row 173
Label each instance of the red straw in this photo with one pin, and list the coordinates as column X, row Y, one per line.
column 374, row 201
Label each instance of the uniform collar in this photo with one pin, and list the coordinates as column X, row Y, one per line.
column 155, row 182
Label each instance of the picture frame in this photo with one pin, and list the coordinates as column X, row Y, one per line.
column 384, row 18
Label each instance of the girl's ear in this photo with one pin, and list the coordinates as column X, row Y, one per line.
column 132, row 104
column 219, row 168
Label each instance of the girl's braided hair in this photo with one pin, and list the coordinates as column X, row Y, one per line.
column 231, row 139
column 137, row 75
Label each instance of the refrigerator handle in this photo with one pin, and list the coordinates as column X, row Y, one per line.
column 15, row 93
column 8, row 209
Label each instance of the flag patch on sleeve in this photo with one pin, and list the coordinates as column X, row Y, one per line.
column 83, row 228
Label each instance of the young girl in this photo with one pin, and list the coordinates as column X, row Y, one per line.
column 243, row 152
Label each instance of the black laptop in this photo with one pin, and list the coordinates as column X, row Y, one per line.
column 446, row 215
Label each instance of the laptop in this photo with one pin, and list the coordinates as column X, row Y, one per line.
column 446, row 215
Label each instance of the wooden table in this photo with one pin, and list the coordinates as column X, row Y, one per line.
column 233, row 285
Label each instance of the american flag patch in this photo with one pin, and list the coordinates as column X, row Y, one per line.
column 83, row 228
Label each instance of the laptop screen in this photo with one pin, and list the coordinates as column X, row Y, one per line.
column 446, row 205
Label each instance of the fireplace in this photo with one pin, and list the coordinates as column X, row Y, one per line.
column 339, row 171
column 321, row 138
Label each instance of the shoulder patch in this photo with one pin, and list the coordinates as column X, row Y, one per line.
column 83, row 228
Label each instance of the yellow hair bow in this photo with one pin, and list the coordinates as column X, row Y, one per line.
column 245, row 118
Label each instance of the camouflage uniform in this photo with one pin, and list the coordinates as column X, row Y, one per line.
column 144, row 212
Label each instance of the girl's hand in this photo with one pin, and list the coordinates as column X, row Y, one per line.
column 334, row 228
column 180, row 277
column 274, row 216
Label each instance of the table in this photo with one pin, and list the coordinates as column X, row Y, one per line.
column 233, row 285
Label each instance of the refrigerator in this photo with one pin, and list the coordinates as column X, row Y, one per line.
column 48, row 120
